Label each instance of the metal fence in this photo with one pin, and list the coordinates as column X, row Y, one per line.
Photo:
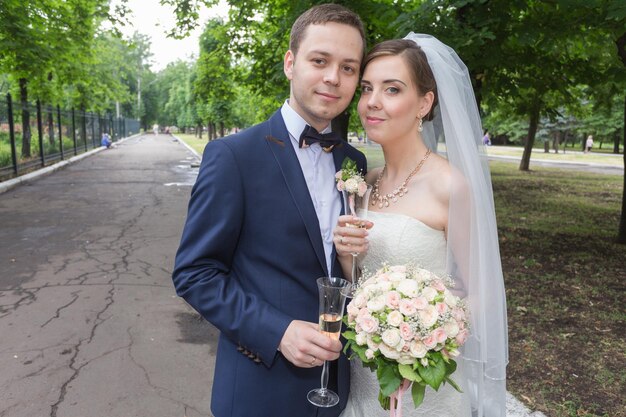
column 35, row 135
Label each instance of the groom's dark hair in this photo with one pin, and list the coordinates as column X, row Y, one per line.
column 321, row 14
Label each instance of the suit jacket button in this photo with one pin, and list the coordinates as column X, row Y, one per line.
column 257, row 359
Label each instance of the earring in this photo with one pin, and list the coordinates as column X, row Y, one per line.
column 420, row 125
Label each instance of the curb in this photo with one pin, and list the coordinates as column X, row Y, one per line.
column 32, row 176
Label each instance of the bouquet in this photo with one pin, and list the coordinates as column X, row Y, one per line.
column 405, row 324
column 349, row 179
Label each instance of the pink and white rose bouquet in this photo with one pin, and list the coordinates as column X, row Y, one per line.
column 405, row 323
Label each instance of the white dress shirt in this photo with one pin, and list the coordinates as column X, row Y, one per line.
column 319, row 171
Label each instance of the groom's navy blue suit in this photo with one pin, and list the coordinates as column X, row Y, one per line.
column 249, row 256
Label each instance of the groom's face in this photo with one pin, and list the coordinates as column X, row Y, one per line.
column 324, row 72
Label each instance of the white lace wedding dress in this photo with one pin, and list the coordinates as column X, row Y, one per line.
column 399, row 239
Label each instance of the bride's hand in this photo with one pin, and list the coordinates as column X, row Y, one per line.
column 350, row 235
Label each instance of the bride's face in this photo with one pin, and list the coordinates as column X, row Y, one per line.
column 389, row 106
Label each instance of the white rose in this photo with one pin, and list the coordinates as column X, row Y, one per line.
column 429, row 293
column 395, row 318
column 422, row 275
column 369, row 354
column 451, row 328
column 391, row 337
column 397, row 276
column 418, row 349
column 361, row 339
column 451, row 299
column 351, row 185
column 389, row 352
column 408, row 287
column 428, row 316
column 377, row 304
column 384, row 286
column 406, row 359
column 359, row 301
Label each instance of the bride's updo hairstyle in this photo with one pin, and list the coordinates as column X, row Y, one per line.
column 416, row 61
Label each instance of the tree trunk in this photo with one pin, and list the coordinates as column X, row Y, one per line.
column 51, row 126
column 530, row 140
column 555, row 144
column 200, row 129
column 621, row 234
column 25, row 118
column 222, row 133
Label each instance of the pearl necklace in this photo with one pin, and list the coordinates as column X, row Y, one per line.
column 383, row 200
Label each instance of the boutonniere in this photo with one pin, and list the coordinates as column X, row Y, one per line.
column 350, row 179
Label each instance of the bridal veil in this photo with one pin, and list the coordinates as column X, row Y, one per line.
column 473, row 253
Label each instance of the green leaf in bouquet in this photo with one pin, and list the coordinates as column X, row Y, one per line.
column 450, row 366
column 454, row 384
column 407, row 372
column 385, row 402
column 433, row 374
column 349, row 335
column 417, row 392
column 389, row 378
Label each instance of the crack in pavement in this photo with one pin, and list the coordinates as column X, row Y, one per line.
column 58, row 312
column 97, row 322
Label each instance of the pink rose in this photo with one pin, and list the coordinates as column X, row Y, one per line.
column 428, row 316
column 368, row 323
column 353, row 311
column 440, row 335
column 461, row 337
column 430, row 342
column 405, row 331
column 339, row 174
column 438, row 285
column 420, row 303
column 340, row 185
column 442, row 308
column 407, row 307
column 393, row 299
column 362, row 188
column 458, row 314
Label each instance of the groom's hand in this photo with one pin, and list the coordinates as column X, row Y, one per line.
column 304, row 346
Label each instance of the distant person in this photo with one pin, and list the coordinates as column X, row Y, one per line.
column 155, row 129
column 106, row 141
column 589, row 144
column 487, row 139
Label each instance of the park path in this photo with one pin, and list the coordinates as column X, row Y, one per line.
column 90, row 324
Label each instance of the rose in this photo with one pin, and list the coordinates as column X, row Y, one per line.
column 461, row 337
column 407, row 307
column 353, row 311
column 440, row 335
column 391, row 337
column 361, row 339
column 351, row 185
column 408, row 287
column 393, row 299
column 438, row 285
column 420, row 303
column 341, row 185
column 369, row 354
column 376, row 304
column 430, row 341
column 389, row 352
column 428, row 316
column 395, row 318
column 362, row 188
column 397, row 276
column 368, row 323
column 371, row 343
column 442, row 308
column 451, row 328
column 429, row 293
column 450, row 299
column 359, row 301
column 405, row 359
column 422, row 275
column 339, row 174
column 406, row 332
column 418, row 349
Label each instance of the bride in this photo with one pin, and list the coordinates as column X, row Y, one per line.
column 431, row 205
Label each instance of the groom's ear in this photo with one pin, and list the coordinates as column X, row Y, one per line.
column 288, row 64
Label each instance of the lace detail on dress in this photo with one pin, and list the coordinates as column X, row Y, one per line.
column 399, row 239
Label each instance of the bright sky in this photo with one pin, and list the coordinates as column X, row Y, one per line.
column 152, row 19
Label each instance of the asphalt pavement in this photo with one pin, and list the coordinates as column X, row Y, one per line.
column 90, row 325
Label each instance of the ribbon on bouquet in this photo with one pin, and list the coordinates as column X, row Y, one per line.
column 397, row 395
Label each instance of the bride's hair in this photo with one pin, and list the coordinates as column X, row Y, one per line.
column 416, row 61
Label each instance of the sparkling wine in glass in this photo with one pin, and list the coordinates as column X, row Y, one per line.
column 332, row 299
column 356, row 205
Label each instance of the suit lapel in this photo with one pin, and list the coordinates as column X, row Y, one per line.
column 279, row 143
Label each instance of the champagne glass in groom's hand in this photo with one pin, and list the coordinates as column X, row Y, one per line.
column 332, row 299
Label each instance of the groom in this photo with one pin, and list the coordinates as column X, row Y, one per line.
column 259, row 231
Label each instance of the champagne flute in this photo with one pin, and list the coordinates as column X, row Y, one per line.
column 356, row 205
column 332, row 299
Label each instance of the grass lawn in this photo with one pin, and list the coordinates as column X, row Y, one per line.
column 565, row 282
column 191, row 140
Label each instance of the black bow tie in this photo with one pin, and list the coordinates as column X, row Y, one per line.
column 326, row 140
